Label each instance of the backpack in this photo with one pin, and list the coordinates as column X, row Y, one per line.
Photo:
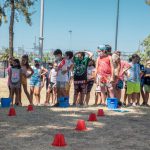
column 15, row 75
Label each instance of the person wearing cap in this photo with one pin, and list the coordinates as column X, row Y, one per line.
column 120, row 67
column 35, row 80
column 105, row 69
column 147, row 83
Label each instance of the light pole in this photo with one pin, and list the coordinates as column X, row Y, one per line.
column 117, row 23
column 41, row 38
column 70, row 42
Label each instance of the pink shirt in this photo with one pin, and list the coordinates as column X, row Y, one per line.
column 124, row 66
column 8, row 71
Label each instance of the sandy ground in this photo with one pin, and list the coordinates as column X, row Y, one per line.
column 35, row 130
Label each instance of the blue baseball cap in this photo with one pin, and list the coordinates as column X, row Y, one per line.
column 37, row 59
column 102, row 47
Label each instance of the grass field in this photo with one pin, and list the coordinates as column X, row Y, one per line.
column 35, row 130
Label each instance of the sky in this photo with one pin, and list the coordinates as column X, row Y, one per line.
column 92, row 22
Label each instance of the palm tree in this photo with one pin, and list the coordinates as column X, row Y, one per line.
column 16, row 7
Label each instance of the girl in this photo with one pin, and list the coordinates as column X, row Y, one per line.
column 15, row 81
column 25, row 74
column 120, row 67
column 10, row 61
column 147, row 83
column 51, row 91
column 35, row 80
column 90, row 79
column 97, row 92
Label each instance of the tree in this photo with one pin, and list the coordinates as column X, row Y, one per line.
column 16, row 7
column 145, row 54
column 147, row 2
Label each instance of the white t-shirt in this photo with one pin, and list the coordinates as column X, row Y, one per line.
column 69, row 64
column 90, row 70
column 62, row 77
column 53, row 76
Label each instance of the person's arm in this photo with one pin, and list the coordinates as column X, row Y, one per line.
column 90, row 54
column 96, row 68
column 30, row 69
column 44, row 71
column 112, row 70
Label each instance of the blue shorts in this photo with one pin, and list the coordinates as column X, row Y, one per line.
column 36, row 83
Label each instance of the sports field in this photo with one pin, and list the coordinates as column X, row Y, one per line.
column 35, row 130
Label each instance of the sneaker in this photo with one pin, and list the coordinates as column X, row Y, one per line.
column 56, row 105
column 134, row 104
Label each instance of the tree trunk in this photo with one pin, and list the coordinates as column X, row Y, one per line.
column 11, row 28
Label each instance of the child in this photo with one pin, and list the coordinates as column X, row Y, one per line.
column 25, row 74
column 69, row 61
column 62, row 75
column 35, row 80
column 97, row 92
column 51, row 91
column 90, row 79
column 133, row 81
column 15, row 81
column 10, row 61
column 147, row 83
column 105, row 70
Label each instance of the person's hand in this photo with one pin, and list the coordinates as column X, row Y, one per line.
column 112, row 80
column 42, row 85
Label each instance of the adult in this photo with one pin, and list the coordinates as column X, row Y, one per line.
column 104, row 70
column 80, row 75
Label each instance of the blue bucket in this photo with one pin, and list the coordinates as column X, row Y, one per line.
column 112, row 103
column 63, row 102
column 5, row 102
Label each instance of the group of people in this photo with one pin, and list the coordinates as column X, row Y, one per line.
column 108, row 72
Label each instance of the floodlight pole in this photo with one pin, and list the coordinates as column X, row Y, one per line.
column 41, row 38
column 70, row 34
column 117, row 24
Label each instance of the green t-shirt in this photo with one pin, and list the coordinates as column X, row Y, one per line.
column 80, row 68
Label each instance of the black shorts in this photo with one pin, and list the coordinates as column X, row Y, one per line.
column 80, row 88
column 89, row 86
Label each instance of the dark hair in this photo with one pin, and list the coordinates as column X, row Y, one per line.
column 27, row 60
column 130, row 59
column 82, row 54
column 50, row 64
column 108, row 48
column 135, row 56
column 18, row 62
column 93, row 62
column 57, row 51
column 69, row 53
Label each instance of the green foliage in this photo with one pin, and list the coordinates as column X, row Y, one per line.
column 5, row 54
column 145, row 55
column 147, row 2
column 21, row 7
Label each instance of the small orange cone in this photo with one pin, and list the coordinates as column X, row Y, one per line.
column 30, row 108
column 59, row 140
column 81, row 125
column 12, row 112
column 100, row 113
column 92, row 117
